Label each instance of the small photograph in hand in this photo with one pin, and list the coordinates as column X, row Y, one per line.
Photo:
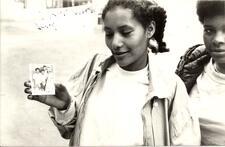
column 42, row 77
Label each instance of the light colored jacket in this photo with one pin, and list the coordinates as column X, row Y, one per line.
column 167, row 119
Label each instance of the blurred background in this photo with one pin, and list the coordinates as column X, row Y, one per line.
column 65, row 33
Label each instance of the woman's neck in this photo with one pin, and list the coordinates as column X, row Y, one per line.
column 138, row 65
column 220, row 67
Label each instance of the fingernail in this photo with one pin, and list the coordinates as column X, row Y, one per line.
column 30, row 97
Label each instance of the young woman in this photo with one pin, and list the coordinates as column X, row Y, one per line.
column 202, row 68
column 126, row 99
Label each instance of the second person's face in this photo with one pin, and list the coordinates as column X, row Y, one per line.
column 126, row 38
column 214, row 37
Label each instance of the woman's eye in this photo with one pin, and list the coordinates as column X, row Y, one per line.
column 126, row 33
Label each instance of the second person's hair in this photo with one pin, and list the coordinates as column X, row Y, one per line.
column 210, row 8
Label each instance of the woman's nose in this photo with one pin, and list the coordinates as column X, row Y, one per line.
column 219, row 39
column 117, row 41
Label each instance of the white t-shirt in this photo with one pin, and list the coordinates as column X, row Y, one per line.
column 208, row 97
column 113, row 112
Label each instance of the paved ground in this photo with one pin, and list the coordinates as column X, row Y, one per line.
column 26, row 123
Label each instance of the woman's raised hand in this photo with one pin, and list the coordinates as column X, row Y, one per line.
column 60, row 100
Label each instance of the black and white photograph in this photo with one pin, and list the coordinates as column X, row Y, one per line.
column 112, row 73
column 42, row 79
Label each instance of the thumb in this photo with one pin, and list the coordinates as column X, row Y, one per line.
column 61, row 92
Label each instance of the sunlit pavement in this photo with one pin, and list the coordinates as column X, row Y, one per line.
column 67, row 45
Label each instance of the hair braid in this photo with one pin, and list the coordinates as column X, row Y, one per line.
column 159, row 16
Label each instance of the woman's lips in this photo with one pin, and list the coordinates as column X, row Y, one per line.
column 218, row 50
column 220, row 53
column 119, row 54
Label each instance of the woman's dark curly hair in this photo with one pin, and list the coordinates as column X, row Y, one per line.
column 144, row 11
column 210, row 8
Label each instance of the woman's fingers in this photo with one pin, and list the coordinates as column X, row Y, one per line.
column 27, row 90
column 197, row 63
column 60, row 100
column 49, row 100
column 30, row 97
column 197, row 53
column 40, row 98
column 27, row 84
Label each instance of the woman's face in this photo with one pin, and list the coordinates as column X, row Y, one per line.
column 214, row 37
column 126, row 38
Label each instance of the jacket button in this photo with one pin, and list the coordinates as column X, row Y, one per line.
column 155, row 104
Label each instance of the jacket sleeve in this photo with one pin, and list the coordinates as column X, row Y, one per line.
column 66, row 121
column 184, row 124
column 191, row 65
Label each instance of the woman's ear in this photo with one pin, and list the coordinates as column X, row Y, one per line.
column 150, row 29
